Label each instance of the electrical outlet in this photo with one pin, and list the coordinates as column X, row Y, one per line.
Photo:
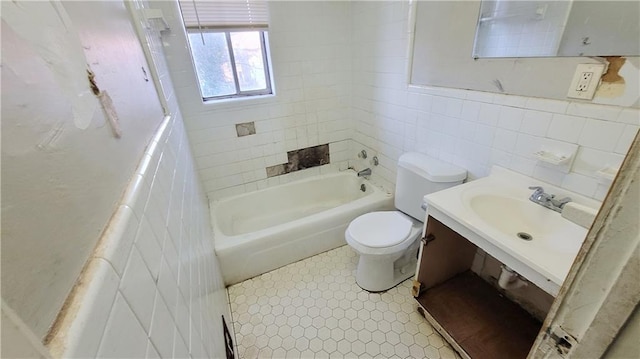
column 585, row 81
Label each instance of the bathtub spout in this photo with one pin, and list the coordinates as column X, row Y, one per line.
column 364, row 172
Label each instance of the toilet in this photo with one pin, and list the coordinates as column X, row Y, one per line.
column 387, row 241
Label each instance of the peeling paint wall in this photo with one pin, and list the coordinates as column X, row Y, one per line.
column 63, row 170
column 621, row 83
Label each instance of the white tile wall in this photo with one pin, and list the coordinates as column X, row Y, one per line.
column 340, row 76
column 153, row 287
column 469, row 128
column 314, row 46
column 310, row 55
column 168, row 295
column 123, row 335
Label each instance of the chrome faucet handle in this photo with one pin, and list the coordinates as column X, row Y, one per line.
column 547, row 200
column 538, row 194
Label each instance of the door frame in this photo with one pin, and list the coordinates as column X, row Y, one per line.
column 602, row 288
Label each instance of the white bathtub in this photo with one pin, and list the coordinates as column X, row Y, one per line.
column 260, row 231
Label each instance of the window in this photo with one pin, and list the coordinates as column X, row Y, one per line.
column 228, row 42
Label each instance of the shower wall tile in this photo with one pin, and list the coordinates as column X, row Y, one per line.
column 311, row 68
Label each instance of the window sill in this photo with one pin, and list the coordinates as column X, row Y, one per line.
column 234, row 101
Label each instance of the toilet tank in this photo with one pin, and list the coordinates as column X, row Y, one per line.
column 418, row 175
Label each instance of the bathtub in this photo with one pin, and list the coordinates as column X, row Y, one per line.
column 260, row 231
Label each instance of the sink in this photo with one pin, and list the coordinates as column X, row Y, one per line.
column 495, row 214
column 522, row 220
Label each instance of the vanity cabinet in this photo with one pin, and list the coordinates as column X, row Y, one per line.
column 472, row 315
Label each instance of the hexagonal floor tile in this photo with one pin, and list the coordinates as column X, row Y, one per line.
column 314, row 308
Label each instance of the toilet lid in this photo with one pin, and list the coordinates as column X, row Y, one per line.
column 380, row 229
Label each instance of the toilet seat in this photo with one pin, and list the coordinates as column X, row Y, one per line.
column 387, row 244
column 380, row 229
column 360, row 241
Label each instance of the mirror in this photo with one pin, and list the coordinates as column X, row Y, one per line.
column 513, row 28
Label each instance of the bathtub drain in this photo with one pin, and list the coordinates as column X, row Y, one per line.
column 363, row 188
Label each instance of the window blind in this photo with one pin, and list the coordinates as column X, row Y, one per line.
column 224, row 13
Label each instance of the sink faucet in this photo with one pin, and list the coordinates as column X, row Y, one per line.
column 364, row 172
column 544, row 199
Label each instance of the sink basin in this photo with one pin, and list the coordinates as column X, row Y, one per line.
column 523, row 220
column 495, row 214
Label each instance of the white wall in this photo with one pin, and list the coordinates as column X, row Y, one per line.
column 18, row 341
column 63, row 172
column 472, row 129
column 151, row 287
column 310, row 53
column 443, row 57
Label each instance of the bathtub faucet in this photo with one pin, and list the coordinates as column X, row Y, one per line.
column 364, row 172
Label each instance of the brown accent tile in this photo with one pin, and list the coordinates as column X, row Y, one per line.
column 276, row 170
column 308, row 157
column 245, row 129
column 301, row 159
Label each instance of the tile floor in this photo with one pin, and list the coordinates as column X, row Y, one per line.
column 314, row 309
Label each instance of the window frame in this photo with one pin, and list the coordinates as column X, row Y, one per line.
column 264, row 36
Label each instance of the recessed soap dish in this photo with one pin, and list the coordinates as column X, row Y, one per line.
column 553, row 158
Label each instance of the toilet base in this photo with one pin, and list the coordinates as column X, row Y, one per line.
column 381, row 273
